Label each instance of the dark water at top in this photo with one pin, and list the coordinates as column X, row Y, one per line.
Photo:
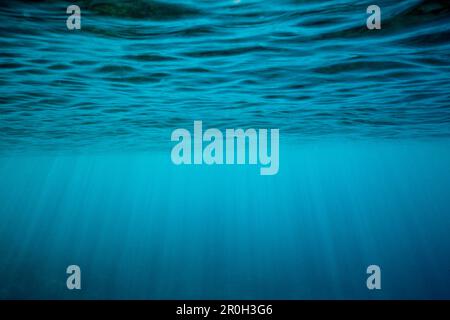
column 139, row 69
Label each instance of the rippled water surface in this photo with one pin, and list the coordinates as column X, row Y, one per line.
column 85, row 170
column 138, row 69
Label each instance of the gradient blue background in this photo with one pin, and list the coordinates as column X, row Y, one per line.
column 86, row 176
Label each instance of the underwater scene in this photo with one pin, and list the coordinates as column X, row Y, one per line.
column 345, row 162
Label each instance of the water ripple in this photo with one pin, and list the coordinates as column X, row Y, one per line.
column 139, row 69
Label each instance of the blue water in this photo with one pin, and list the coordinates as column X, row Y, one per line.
column 86, row 176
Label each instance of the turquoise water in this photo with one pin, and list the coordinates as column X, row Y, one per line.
column 87, row 179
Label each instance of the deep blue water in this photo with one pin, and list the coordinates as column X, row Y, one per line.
column 86, row 176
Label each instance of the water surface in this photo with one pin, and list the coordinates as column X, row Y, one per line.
column 86, row 176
